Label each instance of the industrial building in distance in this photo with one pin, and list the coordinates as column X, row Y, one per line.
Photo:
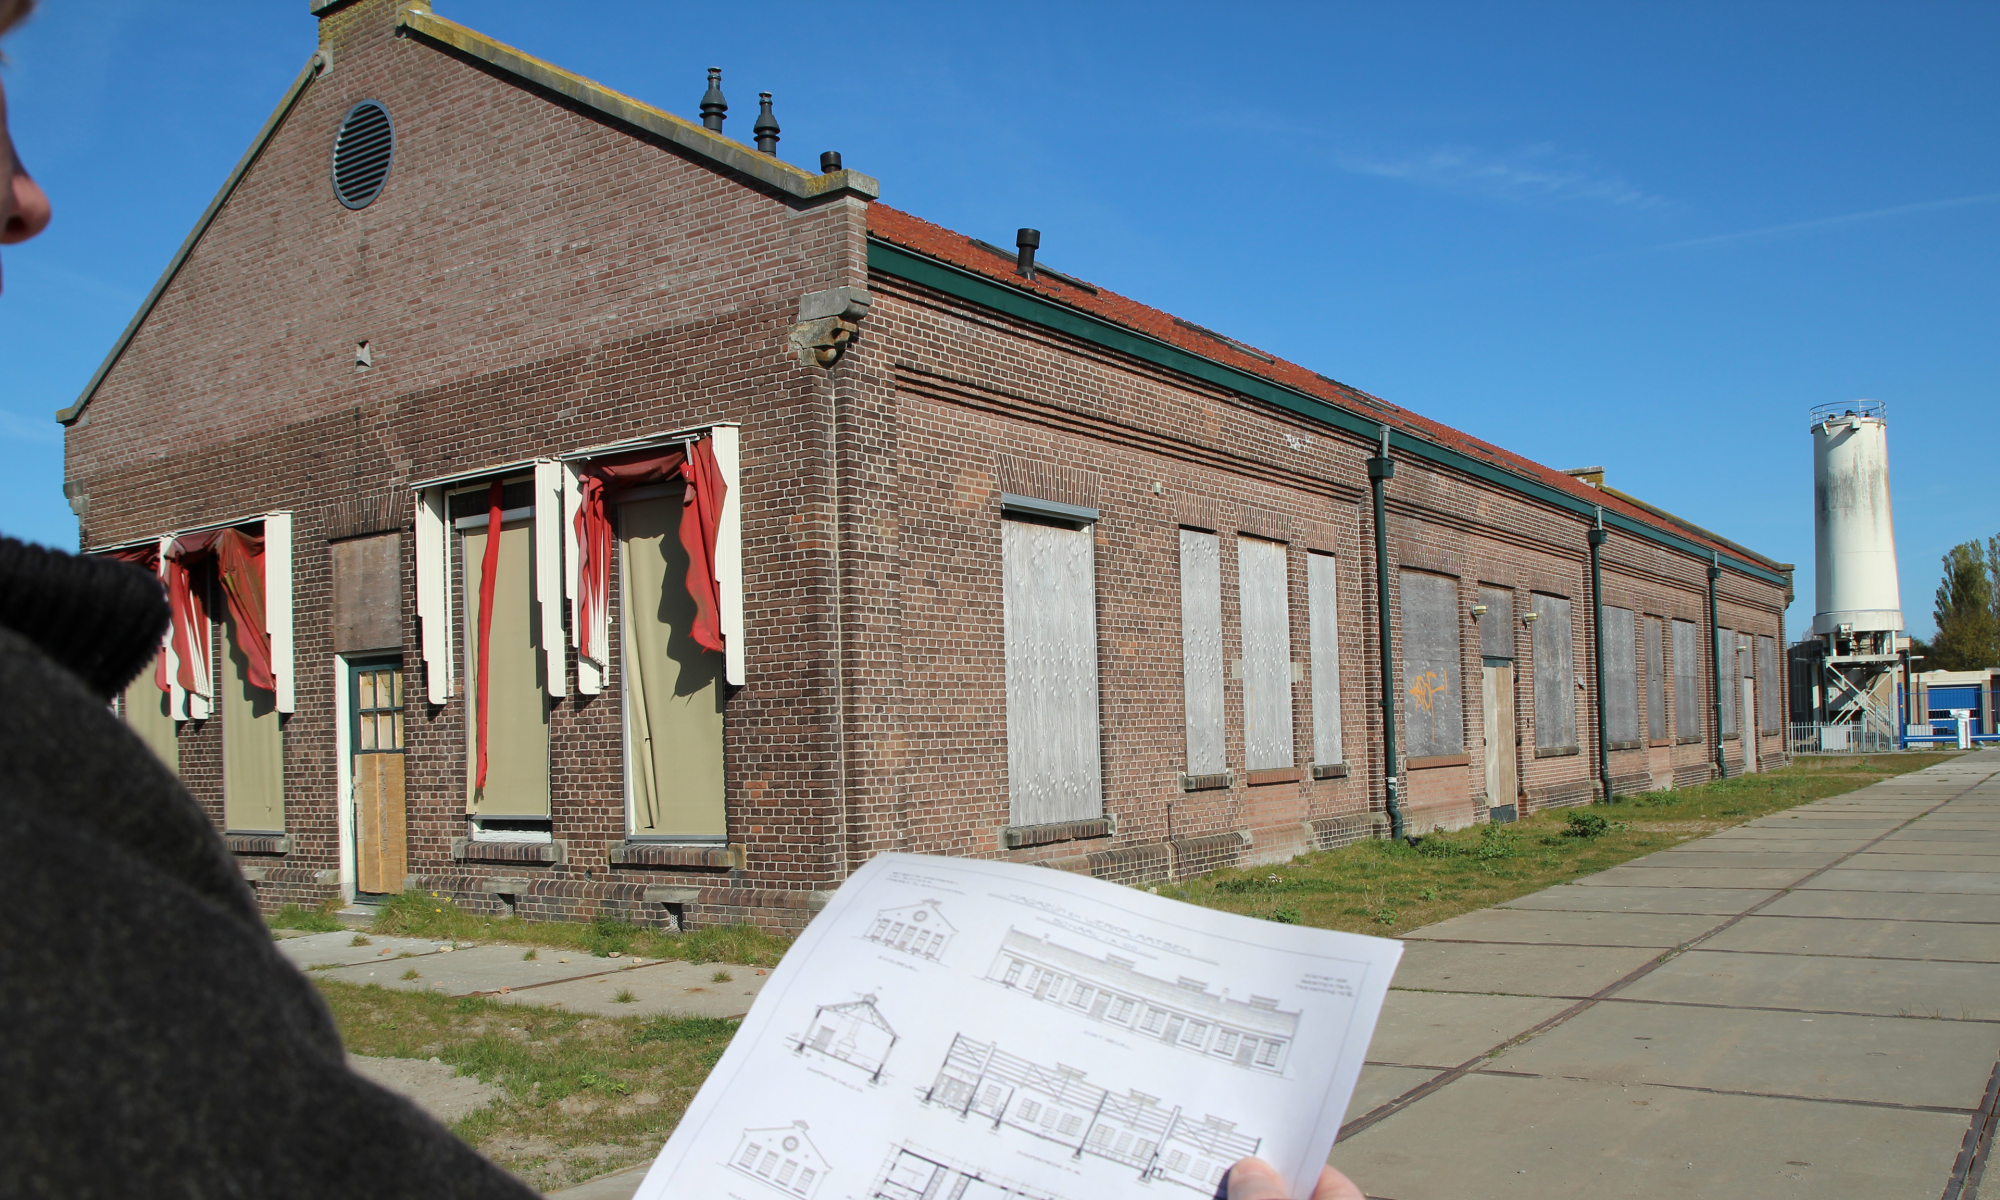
column 568, row 509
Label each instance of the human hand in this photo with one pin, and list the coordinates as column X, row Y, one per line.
column 1254, row 1179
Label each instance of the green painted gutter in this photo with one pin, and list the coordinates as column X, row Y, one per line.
column 965, row 285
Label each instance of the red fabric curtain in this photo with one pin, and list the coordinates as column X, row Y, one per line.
column 489, row 569
column 701, row 521
column 594, row 540
column 237, row 558
column 147, row 557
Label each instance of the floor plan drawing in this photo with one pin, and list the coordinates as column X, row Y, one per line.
column 783, row 1159
column 919, row 929
column 918, row 1175
column 853, row 1033
column 1160, row 1141
column 1252, row 1034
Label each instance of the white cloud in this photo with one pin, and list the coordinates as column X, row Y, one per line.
column 1535, row 173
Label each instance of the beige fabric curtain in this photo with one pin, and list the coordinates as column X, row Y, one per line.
column 673, row 692
column 517, row 727
column 253, row 748
column 148, row 711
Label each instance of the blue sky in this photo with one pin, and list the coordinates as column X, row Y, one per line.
column 1644, row 236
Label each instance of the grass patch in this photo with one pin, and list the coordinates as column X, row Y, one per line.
column 311, row 920
column 421, row 914
column 582, row 1094
column 1391, row 888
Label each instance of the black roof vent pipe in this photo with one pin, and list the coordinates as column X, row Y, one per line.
column 1027, row 241
column 829, row 162
column 713, row 107
column 766, row 128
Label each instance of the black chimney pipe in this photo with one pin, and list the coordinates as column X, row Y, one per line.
column 766, row 128
column 829, row 162
column 713, row 107
column 1027, row 241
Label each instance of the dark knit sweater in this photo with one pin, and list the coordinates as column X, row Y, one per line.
column 153, row 1042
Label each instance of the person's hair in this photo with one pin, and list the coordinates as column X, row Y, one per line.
column 13, row 12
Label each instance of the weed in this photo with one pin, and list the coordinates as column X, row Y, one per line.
column 412, row 974
column 530, row 956
column 624, row 996
column 1288, row 915
column 1586, row 824
column 721, row 977
column 467, row 1004
column 361, row 939
column 312, row 920
column 422, row 914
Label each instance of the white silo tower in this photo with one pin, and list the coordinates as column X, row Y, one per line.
column 1858, row 610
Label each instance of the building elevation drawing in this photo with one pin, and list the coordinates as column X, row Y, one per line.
column 912, row 1175
column 783, row 1159
column 853, row 1033
column 915, row 929
column 1252, row 1033
column 1159, row 1140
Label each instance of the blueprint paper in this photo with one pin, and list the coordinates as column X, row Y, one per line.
column 954, row 1029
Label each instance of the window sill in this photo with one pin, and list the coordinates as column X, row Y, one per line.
column 1330, row 770
column 1272, row 775
column 692, row 858
column 1557, row 751
column 258, row 843
column 1634, row 744
column 1689, row 741
column 1018, row 837
column 1207, row 783
column 1426, row 761
column 468, row 850
column 1660, row 742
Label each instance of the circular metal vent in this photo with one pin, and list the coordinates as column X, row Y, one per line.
column 361, row 153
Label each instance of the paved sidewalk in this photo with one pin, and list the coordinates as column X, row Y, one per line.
column 1806, row 1005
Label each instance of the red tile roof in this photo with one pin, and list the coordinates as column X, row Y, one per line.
column 916, row 234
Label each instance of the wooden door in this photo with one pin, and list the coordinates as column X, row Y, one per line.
column 1496, row 691
column 1747, row 723
column 380, row 830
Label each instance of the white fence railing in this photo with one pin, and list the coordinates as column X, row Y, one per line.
column 1815, row 738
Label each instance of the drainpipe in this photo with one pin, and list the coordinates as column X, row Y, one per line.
column 1597, row 644
column 1715, row 665
column 1380, row 468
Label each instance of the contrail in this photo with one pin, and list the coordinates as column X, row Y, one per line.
column 1817, row 223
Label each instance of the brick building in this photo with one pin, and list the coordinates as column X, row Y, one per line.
column 822, row 531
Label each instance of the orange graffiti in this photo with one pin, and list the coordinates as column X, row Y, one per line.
column 1424, row 689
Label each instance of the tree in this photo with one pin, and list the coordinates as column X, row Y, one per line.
column 1968, row 628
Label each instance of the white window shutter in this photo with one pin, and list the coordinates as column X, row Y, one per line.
column 278, row 607
column 590, row 672
column 434, row 592
column 549, row 572
column 177, row 697
column 729, row 550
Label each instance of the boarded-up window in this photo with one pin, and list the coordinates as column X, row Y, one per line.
column 1688, row 724
column 1201, row 650
column 1621, row 680
column 1770, row 710
column 1262, row 584
column 1555, row 675
column 149, row 711
column 517, row 723
column 673, row 685
column 1433, row 712
column 1725, row 661
column 367, row 594
column 1323, row 639
column 253, row 747
column 1496, row 624
column 1656, row 682
column 1049, row 598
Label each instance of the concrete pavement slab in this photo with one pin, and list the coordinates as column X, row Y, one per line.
column 1498, row 1138
column 1860, row 937
column 1891, row 1060
column 619, row 1185
column 1643, row 899
column 1772, row 840
column 1886, row 987
column 478, row 969
column 1682, row 859
column 338, row 949
column 1898, row 860
column 1696, row 877
column 1886, row 906
column 1850, row 879
column 1445, row 1029
column 1570, row 928
column 1379, row 1085
column 1975, row 841
column 679, row 989
column 1517, row 970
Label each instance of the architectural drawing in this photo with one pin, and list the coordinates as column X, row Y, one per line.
column 915, row 929
column 783, row 1159
column 916, row 1175
column 1160, row 1141
column 1252, row 1033
column 853, row 1033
